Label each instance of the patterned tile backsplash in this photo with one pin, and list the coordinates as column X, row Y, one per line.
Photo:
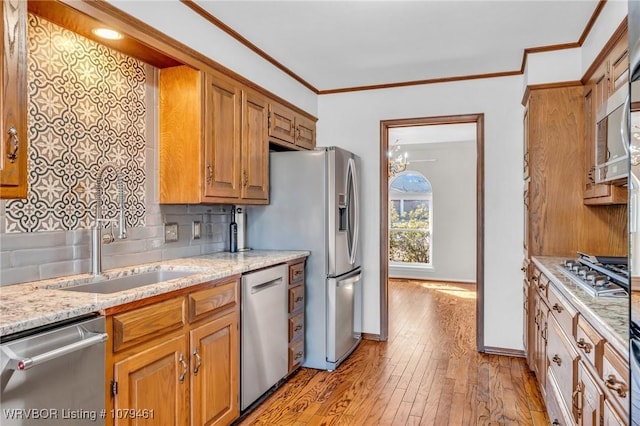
column 86, row 107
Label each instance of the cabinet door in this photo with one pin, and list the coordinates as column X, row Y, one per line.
column 610, row 417
column 540, row 350
column 13, row 100
column 156, row 380
column 255, row 147
column 281, row 123
column 215, row 369
column 588, row 399
column 222, row 138
column 305, row 133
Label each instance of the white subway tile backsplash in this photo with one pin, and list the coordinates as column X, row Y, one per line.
column 40, row 256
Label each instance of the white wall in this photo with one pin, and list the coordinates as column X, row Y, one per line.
column 186, row 26
column 352, row 120
column 453, row 180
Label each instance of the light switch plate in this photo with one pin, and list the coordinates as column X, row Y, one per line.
column 170, row 232
column 197, row 230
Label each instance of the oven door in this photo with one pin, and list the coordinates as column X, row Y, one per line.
column 55, row 376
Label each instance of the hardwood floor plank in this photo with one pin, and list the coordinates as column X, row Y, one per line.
column 428, row 372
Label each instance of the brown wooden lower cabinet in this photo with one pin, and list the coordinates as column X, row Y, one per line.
column 151, row 383
column 583, row 378
column 178, row 368
column 296, row 314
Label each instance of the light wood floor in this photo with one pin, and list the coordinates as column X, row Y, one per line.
column 427, row 373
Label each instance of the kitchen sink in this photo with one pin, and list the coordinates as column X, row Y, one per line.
column 127, row 282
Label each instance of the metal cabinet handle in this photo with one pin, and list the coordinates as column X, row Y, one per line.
column 298, row 328
column 13, row 135
column 196, row 355
column 576, row 399
column 613, row 384
column 299, row 299
column 185, row 368
column 586, row 347
column 209, row 173
column 555, row 422
column 298, row 355
column 557, row 308
column 245, row 178
column 557, row 360
column 523, row 269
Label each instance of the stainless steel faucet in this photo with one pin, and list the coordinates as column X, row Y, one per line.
column 97, row 238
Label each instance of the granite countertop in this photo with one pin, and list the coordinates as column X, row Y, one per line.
column 609, row 315
column 28, row 305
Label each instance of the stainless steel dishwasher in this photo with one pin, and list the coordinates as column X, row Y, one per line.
column 55, row 375
column 264, row 341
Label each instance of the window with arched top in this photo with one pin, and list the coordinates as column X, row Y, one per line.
column 410, row 218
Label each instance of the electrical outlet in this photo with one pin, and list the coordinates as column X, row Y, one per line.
column 196, row 230
column 170, row 232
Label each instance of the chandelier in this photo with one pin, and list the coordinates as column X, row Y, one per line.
column 397, row 160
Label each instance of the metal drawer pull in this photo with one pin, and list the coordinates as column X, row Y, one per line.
column 557, row 308
column 21, row 363
column 613, row 384
column 184, row 368
column 555, row 423
column 13, row 155
column 575, row 397
column 557, row 360
column 198, row 362
column 298, row 355
column 298, row 328
column 586, row 347
column 299, row 299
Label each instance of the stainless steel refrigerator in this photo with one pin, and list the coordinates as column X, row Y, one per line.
column 314, row 205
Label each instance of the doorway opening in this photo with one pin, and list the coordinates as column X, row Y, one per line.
column 413, row 237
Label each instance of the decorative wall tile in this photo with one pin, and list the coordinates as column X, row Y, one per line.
column 86, row 107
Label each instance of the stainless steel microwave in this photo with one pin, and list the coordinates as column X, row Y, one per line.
column 612, row 150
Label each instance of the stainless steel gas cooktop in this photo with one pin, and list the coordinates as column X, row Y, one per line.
column 601, row 276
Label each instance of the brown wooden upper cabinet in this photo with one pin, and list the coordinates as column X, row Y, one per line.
column 609, row 74
column 290, row 129
column 13, row 100
column 213, row 139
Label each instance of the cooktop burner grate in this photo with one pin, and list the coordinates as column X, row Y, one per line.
column 606, row 276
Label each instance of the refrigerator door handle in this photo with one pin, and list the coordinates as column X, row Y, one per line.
column 354, row 210
column 350, row 280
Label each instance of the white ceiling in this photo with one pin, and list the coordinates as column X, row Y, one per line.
column 342, row 44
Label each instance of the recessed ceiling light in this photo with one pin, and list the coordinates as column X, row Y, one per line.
column 107, row 33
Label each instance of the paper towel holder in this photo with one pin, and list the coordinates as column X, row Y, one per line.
column 241, row 220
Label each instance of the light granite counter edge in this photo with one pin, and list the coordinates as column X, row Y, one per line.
column 39, row 303
column 610, row 316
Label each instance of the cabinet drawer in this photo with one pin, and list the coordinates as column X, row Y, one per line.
column 540, row 281
column 296, row 327
column 557, row 410
column 590, row 344
column 296, row 273
column 211, row 300
column 563, row 361
column 615, row 371
column 563, row 312
column 148, row 322
column 610, row 416
column 296, row 298
column 296, row 354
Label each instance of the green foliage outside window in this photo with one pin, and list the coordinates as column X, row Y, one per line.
column 409, row 235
